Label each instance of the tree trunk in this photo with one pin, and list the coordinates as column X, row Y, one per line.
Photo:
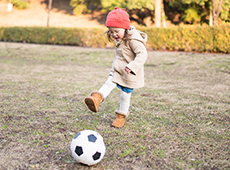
column 49, row 9
column 158, row 13
column 215, row 13
column 163, row 14
column 210, row 18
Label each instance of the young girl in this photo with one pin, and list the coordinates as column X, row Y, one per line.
column 127, row 70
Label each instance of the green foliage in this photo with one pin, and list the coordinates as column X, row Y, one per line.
column 81, row 6
column 109, row 5
column 78, row 10
column 199, row 2
column 128, row 4
column 197, row 38
column 136, row 4
column 221, row 38
column 176, row 3
column 188, row 2
column 191, row 38
column 225, row 10
column 191, row 16
column 49, row 35
column 195, row 9
column 192, row 11
column 164, row 39
column 20, row 4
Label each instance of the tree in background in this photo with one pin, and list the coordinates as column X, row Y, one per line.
column 158, row 13
column 192, row 11
column 128, row 4
column 216, row 12
column 49, row 9
column 200, row 11
column 138, row 9
column 189, row 11
column 84, row 6
column 163, row 16
column 20, row 4
column 225, row 11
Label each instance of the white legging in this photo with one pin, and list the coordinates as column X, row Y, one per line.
column 107, row 87
column 124, row 97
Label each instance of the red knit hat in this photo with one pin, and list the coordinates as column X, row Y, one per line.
column 118, row 18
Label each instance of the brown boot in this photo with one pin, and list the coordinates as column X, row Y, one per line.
column 94, row 100
column 120, row 120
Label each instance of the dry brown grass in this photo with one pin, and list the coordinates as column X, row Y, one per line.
column 179, row 120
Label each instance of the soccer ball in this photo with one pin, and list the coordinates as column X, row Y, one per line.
column 88, row 147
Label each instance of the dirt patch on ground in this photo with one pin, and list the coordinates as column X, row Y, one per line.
column 37, row 13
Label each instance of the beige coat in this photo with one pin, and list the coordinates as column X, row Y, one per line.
column 132, row 54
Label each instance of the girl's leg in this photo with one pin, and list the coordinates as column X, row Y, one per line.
column 124, row 102
column 97, row 97
column 123, row 111
column 107, row 87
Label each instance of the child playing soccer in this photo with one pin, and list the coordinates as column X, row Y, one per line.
column 127, row 72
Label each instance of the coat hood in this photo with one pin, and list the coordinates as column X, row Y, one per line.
column 137, row 35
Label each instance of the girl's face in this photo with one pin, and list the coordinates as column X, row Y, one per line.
column 117, row 33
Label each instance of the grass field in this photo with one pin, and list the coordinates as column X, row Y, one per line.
column 179, row 120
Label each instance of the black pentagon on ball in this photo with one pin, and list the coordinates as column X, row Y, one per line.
column 78, row 150
column 96, row 156
column 92, row 138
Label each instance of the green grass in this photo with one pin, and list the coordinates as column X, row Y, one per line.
column 179, row 120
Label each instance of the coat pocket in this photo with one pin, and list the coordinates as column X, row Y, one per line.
column 119, row 67
column 129, row 77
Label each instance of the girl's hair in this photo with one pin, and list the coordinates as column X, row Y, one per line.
column 111, row 39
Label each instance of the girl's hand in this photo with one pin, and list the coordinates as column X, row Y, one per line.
column 127, row 70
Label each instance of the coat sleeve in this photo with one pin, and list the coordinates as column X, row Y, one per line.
column 140, row 52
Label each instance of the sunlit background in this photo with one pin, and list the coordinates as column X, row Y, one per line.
column 84, row 13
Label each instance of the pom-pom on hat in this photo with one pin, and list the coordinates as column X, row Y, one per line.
column 118, row 18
